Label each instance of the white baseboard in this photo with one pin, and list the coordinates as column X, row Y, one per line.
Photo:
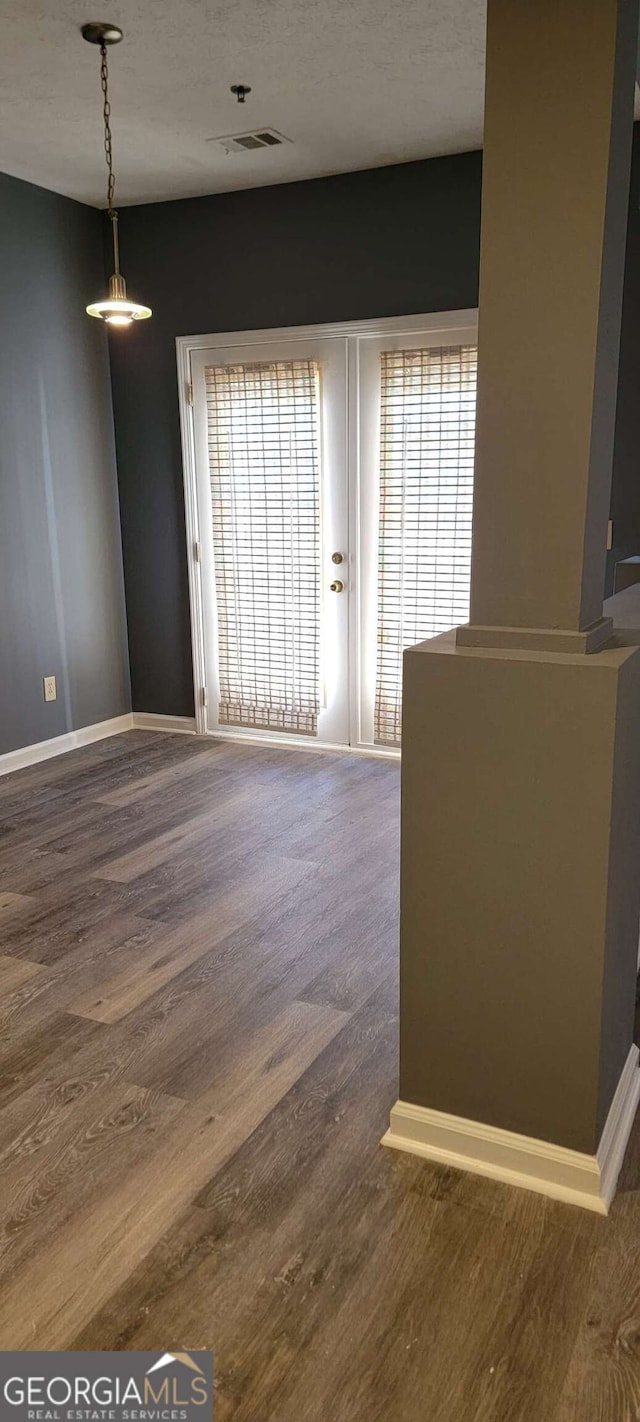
column 72, row 740
column 586, row 1180
column 150, row 721
column 44, row 750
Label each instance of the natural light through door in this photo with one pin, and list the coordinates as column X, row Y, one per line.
column 264, row 464
column 427, row 431
column 329, row 484
column 270, row 424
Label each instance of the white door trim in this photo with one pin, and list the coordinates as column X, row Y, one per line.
column 438, row 324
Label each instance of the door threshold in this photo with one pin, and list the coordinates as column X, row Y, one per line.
column 304, row 744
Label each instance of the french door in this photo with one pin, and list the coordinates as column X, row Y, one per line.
column 328, row 484
column 270, row 423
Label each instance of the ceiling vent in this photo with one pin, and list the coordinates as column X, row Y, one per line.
column 249, row 142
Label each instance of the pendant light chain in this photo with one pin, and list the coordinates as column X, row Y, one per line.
column 108, row 150
column 106, row 113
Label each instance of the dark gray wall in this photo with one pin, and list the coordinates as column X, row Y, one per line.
column 385, row 242
column 389, row 241
column 61, row 587
column 625, row 490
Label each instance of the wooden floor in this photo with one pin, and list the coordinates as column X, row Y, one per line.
column 198, row 1047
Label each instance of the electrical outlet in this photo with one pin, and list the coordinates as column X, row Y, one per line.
column 49, row 683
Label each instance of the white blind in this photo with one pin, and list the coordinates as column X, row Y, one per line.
column 427, row 432
column 264, row 461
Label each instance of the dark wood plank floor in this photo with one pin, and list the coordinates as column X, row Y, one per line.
column 198, row 1044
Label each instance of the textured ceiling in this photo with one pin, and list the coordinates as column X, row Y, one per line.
column 354, row 83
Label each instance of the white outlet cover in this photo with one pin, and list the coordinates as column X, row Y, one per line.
column 49, row 683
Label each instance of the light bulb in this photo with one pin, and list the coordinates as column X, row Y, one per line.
column 115, row 308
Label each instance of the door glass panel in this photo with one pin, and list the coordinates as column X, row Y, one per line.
column 427, row 432
column 263, row 422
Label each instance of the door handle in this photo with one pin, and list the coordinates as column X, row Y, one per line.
column 337, row 586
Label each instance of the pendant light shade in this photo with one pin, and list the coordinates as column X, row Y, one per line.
column 115, row 308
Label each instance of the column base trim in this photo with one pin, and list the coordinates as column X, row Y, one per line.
column 585, row 1180
column 537, row 639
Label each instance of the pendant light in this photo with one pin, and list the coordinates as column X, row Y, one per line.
column 115, row 308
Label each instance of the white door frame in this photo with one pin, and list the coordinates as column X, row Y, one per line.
column 439, row 323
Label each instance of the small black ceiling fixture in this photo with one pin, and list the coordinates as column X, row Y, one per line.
column 241, row 91
column 99, row 32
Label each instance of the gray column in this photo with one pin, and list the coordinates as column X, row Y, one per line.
column 558, row 130
column 521, row 737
